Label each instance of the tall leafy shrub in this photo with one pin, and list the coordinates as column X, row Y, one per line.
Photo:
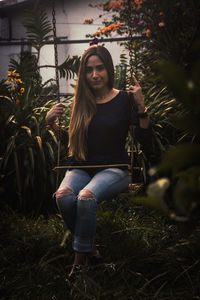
column 28, row 150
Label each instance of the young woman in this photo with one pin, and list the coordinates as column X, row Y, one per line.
column 99, row 125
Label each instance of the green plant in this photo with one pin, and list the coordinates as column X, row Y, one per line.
column 39, row 32
column 144, row 257
column 177, row 191
column 38, row 27
column 29, row 150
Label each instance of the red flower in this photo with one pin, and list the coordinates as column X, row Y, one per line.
column 148, row 33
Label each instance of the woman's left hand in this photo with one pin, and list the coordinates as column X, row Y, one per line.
column 136, row 90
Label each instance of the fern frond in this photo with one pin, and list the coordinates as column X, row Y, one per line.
column 69, row 68
column 38, row 27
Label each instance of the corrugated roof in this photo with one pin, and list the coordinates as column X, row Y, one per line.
column 6, row 4
column 10, row 2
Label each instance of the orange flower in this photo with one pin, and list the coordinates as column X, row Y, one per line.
column 112, row 5
column 11, row 73
column 88, row 21
column 161, row 24
column 108, row 29
column 148, row 33
column 138, row 2
column 19, row 80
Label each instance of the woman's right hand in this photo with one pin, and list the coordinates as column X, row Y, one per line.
column 55, row 112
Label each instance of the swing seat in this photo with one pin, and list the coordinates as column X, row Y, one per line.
column 136, row 173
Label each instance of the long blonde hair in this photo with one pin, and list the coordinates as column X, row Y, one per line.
column 84, row 104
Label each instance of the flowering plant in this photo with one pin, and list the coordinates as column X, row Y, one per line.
column 15, row 85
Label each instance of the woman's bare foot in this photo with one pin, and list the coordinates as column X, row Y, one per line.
column 95, row 253
column 79, row 261
column 76, row 270
column 94, row 256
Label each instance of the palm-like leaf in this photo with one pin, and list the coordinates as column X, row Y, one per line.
column 69, row 68
column 38, row 27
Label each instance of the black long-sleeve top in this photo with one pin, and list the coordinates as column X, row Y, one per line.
column 107, row 134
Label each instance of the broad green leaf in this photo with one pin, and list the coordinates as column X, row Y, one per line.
column 39, row 142
column 158, row 188
column 6, row 98
column 36, row 125
column 53, row 136
column 10, row 119
column 187, row 194
column 8, row 151
column 152, row 203
column 27, row 95
column 180, row 157
column 31, row 156
column 27, row 129
column 176, row 79
column 51, row 152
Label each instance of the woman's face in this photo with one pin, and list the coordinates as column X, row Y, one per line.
column 96, row 74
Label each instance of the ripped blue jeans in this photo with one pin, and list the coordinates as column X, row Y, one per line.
column 79, row 213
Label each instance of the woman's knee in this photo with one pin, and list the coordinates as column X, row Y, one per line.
column 65, row 197
column 85, row 194
column 64, row 191
column 86, row 203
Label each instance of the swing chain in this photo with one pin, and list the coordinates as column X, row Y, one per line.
column 55, row 49
column 57, row 84
column 131, row 54
column 130, row 24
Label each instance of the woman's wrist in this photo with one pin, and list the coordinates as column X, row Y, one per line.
column 52, row 125
column 49, row 122
column 142, row 113
column 141, row 107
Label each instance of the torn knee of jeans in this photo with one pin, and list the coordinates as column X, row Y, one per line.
column 85, row 194
column 64, row 191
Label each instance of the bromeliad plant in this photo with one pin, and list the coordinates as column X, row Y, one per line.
column 27, row 149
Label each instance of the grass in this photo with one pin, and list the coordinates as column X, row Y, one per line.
column 145, row 257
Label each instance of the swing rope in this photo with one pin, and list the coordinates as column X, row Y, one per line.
column 133, row 109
